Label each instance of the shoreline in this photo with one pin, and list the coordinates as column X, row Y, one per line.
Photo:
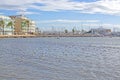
column 37, row 36
column 16, row 36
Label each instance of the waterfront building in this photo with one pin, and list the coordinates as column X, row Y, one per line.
column 6, row 25
column 23, row 25
column 32, row 27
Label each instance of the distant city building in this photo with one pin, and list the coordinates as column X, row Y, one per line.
column 51, row 32
column 101, row 31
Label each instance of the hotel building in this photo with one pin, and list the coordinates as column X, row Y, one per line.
column 23, row 25
column 16, row 25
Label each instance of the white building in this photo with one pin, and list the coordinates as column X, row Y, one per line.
column 32, row 27
column 4, row 28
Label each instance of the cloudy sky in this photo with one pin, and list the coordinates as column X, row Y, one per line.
column 66, row 13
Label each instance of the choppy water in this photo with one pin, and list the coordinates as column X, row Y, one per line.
column 60, row 59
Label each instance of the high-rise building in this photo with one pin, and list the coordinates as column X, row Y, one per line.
column 23, row 25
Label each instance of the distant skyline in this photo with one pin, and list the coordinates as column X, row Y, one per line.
column 66, row 13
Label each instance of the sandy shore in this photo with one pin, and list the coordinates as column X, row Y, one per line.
column 42, row 35
column 16, row 36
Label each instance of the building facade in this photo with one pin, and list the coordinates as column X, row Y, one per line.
column 6, row 26
column 23, row 25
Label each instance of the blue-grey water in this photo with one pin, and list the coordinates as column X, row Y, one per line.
column 73, row 58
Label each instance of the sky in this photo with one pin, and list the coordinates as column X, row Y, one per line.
column 66, row 14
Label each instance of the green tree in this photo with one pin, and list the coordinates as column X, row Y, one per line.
column 73, row 30
column 66, row 31
column 25, row 24
column 11, row 25
column 2, row 25
column 28, row 25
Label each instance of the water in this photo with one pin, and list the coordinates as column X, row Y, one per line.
column 60, row 59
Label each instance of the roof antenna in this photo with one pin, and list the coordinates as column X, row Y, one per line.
column 22, row 12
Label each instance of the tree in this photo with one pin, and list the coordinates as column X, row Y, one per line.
column 2, row 24
column 11, row 24
column 27, row 23
column 66, row 31
column 73, row 30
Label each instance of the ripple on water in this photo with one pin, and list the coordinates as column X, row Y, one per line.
column 60, row 59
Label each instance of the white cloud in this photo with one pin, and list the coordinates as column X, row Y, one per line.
column 111, row 7
column 69, row 21
column 27, row 13
column 105, row 25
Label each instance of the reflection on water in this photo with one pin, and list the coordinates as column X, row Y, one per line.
column 60, row 59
